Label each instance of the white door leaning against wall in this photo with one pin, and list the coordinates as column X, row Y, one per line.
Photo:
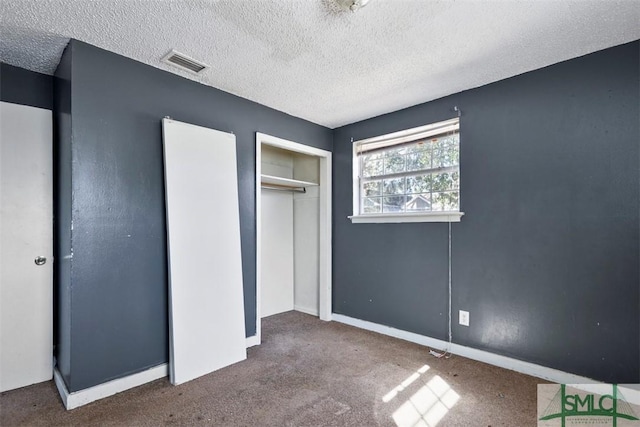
column 26, row 246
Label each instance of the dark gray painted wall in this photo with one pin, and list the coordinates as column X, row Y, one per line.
column 546, row 258
column 118, row 281
column 24, row 87
column 62, row 196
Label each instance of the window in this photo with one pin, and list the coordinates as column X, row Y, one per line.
column 408, row 176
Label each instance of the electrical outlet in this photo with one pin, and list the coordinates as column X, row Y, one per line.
column 464, row 318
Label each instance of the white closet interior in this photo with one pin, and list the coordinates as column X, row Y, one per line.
column 290, row 223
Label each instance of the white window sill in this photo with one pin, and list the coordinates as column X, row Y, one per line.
column 407, row 217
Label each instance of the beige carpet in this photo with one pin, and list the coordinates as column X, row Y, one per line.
column 307, row 373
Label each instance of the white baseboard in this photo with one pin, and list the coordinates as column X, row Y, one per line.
column 505, row 362
column 252, row 341
column 100, row 391
column 306, row 310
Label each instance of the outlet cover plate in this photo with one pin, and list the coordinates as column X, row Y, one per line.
column 464, row 318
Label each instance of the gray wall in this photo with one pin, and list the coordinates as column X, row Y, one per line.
column 20, row 86
column 118, row 275
column 62, row 196
column 546, row 258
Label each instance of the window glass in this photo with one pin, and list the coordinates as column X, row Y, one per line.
column 409, row 176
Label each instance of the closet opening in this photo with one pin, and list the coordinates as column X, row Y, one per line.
column 293, row 229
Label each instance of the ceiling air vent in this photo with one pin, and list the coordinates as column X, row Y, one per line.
column 182, row 61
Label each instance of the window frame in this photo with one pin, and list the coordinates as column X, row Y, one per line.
column 404, row 136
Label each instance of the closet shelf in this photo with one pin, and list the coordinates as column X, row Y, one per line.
column 285, row 182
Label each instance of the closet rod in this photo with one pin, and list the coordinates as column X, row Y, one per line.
column 284, row 188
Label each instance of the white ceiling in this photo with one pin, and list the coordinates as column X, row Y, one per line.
column 308, row 59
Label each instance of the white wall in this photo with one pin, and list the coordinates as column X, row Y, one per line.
column 277, row 252
column 306, row 210
column 277, row 236
column 277, row 162
column 306, row 168
column 306, row 217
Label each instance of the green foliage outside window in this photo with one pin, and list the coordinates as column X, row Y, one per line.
column 389, row 186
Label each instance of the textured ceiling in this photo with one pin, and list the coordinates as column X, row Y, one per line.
column 311, row 60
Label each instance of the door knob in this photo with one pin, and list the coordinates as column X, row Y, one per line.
column 40, row 260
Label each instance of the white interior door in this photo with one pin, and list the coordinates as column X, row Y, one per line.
column 207, row 329
column 26, row 289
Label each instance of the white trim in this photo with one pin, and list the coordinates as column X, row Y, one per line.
column 325, row 252
column 505, row 362
column 253, row 341
column 258, row 335
column 100, row 391
column 355, row 179
column 417, row 217
column 325, row 221
column 305, row 310
column 420, row 132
